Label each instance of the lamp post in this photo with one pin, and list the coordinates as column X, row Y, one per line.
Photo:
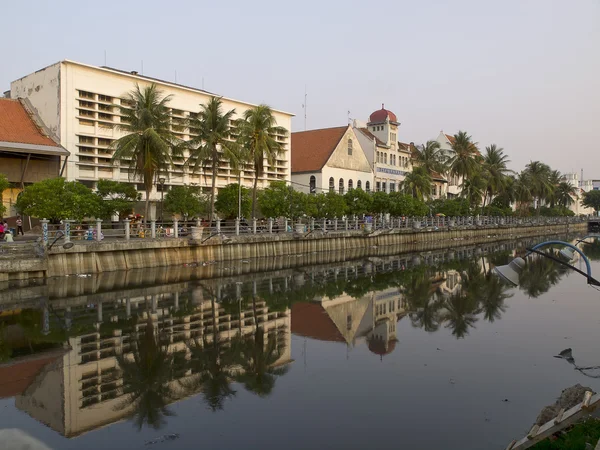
column 161, row 181
column 511, row 271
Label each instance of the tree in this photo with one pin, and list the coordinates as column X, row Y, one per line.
column 146, row 377
column 417, row 183
column 538, row 178
column 256, row 134
column 212, row 143
column 117, row 198
column 227, row 203
column 564, row 193
column 149, row 144
column 56, row 199
column 430, row 157
column 274, row 201
column 381, row 203
column 495, row 168
column 522, row 193
column 473, row 188
column 466, row 158
column 184, row 201
column 591, row 199
column 358, row 202
column 328, row 205
column 4, row 184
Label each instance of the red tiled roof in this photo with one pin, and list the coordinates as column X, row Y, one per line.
column 311, row 149
column 17, row 376
column 311, row 320
column 381, row 114
column 450, row 138
column 370, row 135
column 16, row 125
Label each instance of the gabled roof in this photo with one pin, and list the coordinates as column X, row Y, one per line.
column 312, row 321
column 20, row 130
column 311, row 149
column 371, row 136
column 450, row 138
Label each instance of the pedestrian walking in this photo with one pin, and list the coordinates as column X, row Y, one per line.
column 20, row 226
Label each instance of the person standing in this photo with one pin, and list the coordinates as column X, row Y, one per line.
column 20, row 226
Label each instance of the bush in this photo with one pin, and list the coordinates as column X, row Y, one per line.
column 358, row 202
column 450, row 207
column 227, row 203
column 185, row 201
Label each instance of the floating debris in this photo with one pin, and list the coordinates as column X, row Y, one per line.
column 166, row 437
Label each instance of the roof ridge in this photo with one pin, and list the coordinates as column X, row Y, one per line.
column 321, row 129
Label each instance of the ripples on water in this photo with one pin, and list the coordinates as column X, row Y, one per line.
column 416, row 351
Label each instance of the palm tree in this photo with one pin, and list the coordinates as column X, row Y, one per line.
column 212, row 142
column 430, row 157
column 495, row 167
column 417, row 183
column 538, row 177
column 256, row 134
column 146, row 378
column 213, row 366
column 564, row 193
column 473, row 188
column 466, row 158
column 148, row 146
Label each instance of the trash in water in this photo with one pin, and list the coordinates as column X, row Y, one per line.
column 166, row 437
column 84, row 275
column 245, row 261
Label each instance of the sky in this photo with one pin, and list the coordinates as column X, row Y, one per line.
column 521, row 74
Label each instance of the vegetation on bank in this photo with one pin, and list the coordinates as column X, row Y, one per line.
column 577, row 438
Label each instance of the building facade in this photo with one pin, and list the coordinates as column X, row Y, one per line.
column 28, row 151
column 80, row 104
column 453, row 182
column 389, row 158
column 329, row 159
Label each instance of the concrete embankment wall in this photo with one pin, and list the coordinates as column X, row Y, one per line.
column 121, row 255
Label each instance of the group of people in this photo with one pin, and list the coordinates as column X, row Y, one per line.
column 5, row 232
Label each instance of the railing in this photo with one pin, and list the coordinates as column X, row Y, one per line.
column 99, row 230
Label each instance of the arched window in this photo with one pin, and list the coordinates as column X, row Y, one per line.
column 350, row 185
column 313, row 184
column 359, row 184
column 341, row 186
column 349, row 146
column 331, row 184
column 368, row 186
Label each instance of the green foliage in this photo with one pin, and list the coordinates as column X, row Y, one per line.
column 117, row 198
column 381, row 203
column 586, row 432
column 591, row 199
column 328, row 205
column 274, row 201
column 184, row 201
column 148, row 144
column 56, row 199
column 358, row 202
column 417, row 183
column 450, row 207
column 227, row 203
column 557, row 211
column 4, row 184
column 405, row 205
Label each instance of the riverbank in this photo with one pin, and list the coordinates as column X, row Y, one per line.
column 89, row 257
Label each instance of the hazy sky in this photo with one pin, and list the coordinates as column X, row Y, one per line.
column 524, row 74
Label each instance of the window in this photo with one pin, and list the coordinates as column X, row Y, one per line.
column 341, row 186
column 84, row 104
column 85, row 94
column 313, row 184
column 349, row 146
column 393, row 138
column 384, row 186
column 350, row 185
column 103, row 116
column 358, row 184
column 104, row 98
column 385, row 158
column 392, row 187
column 331, row 184
column 86, row 140
column 434, row 189
column 105, row 142
column 377, row 186
column 368, row 186
column 85, row 113
column 88, row 123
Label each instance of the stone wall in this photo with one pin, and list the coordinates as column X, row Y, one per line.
column 90, row 257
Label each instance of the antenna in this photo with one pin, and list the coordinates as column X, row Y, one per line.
column 305, row 106
column 349, row 118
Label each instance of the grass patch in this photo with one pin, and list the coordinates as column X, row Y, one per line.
column 574, row 438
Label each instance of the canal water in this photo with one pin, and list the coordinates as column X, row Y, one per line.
column 423, row 351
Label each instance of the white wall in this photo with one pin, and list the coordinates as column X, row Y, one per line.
column 42, row 88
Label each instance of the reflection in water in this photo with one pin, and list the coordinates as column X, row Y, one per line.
column 102, row 354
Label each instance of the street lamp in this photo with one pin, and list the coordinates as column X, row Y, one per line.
column 161, row 181
column 511, row 271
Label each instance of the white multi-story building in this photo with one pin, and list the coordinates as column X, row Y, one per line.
column 389, row 158
column 330, row 159
column 446, row 140
column 80, row 104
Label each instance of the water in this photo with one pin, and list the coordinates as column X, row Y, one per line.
column 420, row 351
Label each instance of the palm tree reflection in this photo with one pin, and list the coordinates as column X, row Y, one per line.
column 147, row 372
column 540, row 274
